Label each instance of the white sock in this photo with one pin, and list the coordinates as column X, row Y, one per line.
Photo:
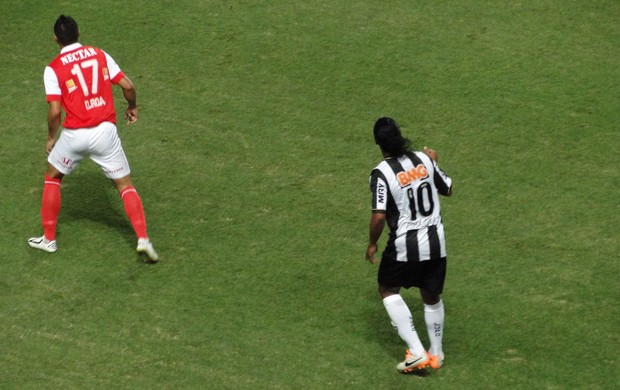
column 434, row 316
column 401, row 318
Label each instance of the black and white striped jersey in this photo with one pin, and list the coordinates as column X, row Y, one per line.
column 407, row 189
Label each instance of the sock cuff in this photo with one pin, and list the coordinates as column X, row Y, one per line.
column 51, row 180
column 436, row 307
column 392, row 299
column 128, row 190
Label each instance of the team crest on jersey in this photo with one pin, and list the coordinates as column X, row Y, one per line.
column 416, row 173
column 70, row 84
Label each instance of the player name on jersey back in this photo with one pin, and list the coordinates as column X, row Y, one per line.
column 94, row 103
column 78, row 55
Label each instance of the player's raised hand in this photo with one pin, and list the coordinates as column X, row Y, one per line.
column 432, row 153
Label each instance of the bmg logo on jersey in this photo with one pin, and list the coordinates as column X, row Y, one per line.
column 416, row 173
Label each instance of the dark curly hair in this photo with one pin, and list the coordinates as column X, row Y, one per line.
column 388, row 137
column 66, row 30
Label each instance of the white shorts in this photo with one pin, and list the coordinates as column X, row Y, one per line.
column 100, row 143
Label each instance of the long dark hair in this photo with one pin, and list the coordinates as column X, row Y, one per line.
column 388, row 137
column 66, row 30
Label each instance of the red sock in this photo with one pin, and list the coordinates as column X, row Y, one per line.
column 50, row 207
column 134, row 210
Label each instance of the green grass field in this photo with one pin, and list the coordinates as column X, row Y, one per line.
column 252, row 157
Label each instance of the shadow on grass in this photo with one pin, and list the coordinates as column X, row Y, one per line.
column 422, row 373
column 91, row 196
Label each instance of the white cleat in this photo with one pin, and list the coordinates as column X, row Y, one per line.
column 413, row 362
column 145, row 247
column 43, row 244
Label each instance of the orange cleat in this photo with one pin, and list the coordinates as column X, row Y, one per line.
column 435, row 361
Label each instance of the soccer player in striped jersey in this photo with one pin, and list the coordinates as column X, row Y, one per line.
column 79, row 81
column 405, row 190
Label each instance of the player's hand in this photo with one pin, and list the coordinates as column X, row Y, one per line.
column 131, row 115
column 432, row 153
column 49, row 145
column 371, row 251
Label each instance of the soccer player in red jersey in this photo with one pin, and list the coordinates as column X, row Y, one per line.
column 79, row 81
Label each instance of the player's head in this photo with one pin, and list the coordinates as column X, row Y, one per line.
column 66, row 30
column 388, row 137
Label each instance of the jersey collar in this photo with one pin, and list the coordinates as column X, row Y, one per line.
column 70, row 47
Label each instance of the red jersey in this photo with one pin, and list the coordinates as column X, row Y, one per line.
column 81, row 78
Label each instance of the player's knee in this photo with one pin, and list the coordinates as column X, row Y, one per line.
column 53, row 173
column 428, row 298
column 122, row 183
column 387, row 291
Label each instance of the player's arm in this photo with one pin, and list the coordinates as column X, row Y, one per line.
column 129, row 92
column 379, row 191
column 377, row 223
column 53, row 96
column 53, row 124
column 442, row 181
